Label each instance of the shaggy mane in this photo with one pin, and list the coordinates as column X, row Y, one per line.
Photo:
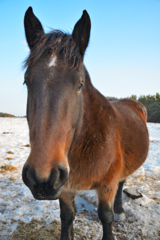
column 56, row 42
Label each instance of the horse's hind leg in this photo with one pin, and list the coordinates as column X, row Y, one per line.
column 119, row 214
column 67, row 214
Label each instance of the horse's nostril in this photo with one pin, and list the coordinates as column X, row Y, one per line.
column 24, row 174
column 48, row 188
column 58, row 177
column 29, row 176
column 63, row 173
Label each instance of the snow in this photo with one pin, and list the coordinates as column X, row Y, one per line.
column 17, row 203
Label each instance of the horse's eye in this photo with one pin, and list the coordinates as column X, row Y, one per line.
column 80, row 85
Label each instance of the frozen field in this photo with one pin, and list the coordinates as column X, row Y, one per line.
column 21, row 214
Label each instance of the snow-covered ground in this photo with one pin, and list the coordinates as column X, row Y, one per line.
column 17, row 205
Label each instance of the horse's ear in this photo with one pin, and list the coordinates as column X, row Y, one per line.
column 33, row 27
column 81, row 32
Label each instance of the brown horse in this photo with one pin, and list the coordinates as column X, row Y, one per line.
column 80, row 140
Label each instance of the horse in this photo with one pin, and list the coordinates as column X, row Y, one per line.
column 79, row 139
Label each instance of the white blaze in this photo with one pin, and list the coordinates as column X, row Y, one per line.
column 52, row 62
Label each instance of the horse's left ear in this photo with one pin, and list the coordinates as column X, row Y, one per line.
column 81, row 32
column 33, row 28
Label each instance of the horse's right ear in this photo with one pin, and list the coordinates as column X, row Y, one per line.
column 33, row 28
column 81, row 32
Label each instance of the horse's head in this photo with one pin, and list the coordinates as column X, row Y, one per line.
column 54, row 77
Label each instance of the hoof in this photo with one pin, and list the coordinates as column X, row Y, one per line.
column 119, row 217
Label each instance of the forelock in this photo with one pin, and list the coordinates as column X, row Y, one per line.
column 56, row 42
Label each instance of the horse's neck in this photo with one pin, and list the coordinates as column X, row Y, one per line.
column 90, row 94
column 93, row 101
column 96, row 110
column 93, row 120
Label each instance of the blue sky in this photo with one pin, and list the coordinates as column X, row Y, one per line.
column 123, row 57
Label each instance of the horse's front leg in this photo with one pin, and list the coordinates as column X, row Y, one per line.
column 106, row 195
column 106, row 216
column 67, row 214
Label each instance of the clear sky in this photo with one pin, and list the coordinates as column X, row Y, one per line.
column 123, row 57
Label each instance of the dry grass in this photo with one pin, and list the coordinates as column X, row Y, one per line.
column 5, row 168
column 32, row 231
column 9, row 158
column 10, row 152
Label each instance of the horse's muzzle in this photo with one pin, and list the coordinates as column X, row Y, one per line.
column 48, row 189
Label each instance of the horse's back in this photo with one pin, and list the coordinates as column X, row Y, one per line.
column 138, row 106
column 129, row 109
column 131, row 119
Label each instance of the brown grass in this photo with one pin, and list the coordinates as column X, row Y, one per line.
column 10, row 152
column 9, row 158
column 31, row 231
column 27, row 145
column 5, row 168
